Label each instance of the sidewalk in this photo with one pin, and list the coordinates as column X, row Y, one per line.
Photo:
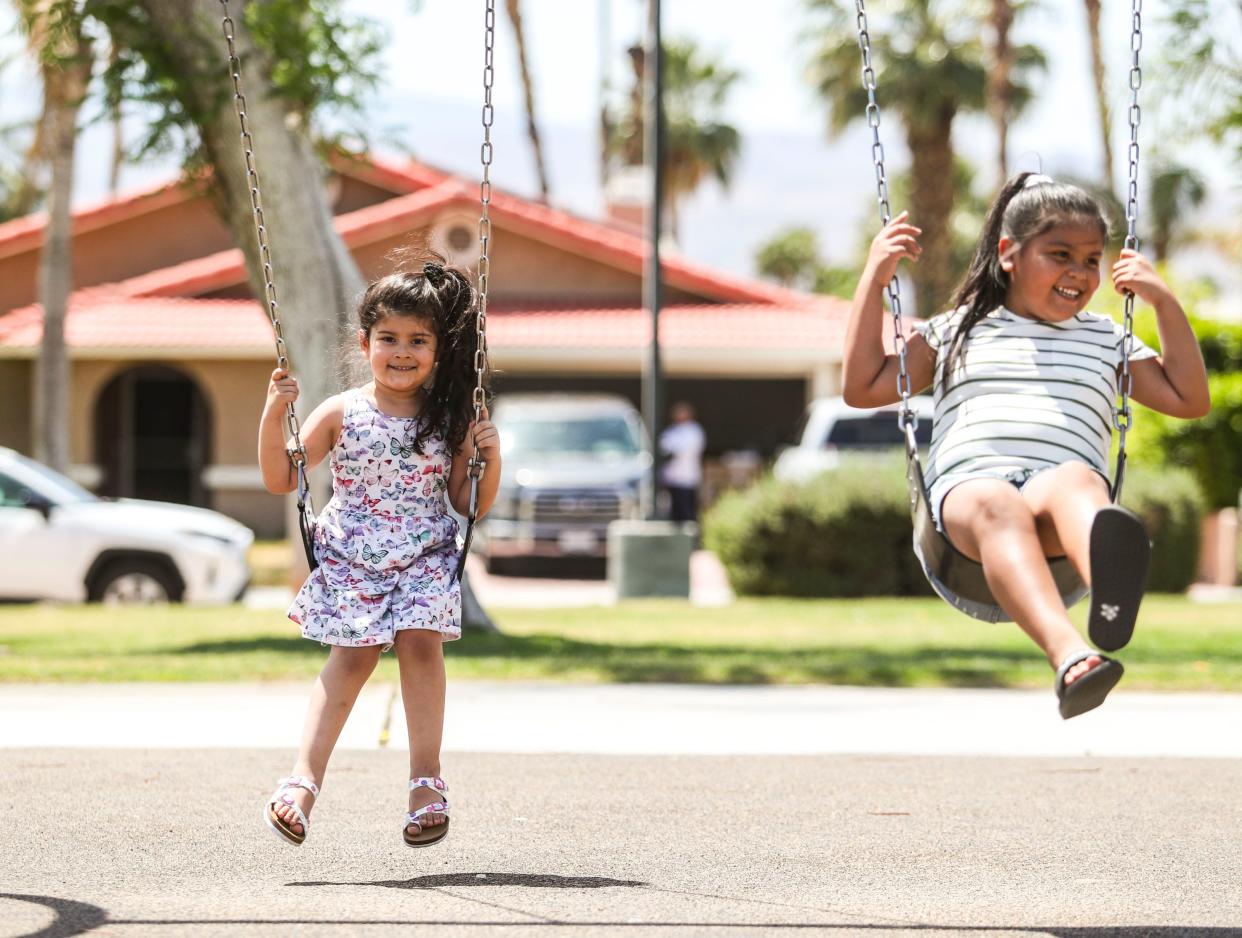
column 647, row 719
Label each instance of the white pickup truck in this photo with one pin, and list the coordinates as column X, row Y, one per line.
column 571, row 464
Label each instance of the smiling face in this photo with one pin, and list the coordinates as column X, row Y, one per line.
column 401, row 351
column 1053, row 275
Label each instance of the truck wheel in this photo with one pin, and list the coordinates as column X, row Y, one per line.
column 134, row 582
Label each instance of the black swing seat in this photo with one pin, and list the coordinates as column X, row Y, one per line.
column 956, row 578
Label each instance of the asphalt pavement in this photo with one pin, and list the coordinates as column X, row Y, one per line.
column 675, row 811
column 169, row 842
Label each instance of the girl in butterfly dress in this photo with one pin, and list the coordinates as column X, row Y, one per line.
column 386, row 543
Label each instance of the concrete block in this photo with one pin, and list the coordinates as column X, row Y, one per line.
column 650, row 558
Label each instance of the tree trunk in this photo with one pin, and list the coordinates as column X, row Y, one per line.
column 65, row 80
column 1000, row 86
column 1101, row 91
column 514, row 9
column 931, row 205
column 318, row 283
column 118, row 134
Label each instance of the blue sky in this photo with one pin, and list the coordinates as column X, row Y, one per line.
column 790, row 173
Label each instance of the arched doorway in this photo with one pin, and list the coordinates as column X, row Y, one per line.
column 152, row 436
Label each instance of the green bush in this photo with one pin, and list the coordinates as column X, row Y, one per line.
column 848, row 532
column 845, row 533
column 1220, row 342
column 1171, row 505
column 1211, row 448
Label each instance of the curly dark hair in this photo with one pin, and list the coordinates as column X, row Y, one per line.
column 444, row 296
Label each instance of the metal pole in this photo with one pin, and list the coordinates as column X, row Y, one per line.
column 653, row 157
column 603, row 16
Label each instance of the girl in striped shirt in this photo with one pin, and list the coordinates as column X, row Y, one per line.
column 1025, row 383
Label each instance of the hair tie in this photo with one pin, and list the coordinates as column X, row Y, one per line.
column 433, row 273
column 1037, row 179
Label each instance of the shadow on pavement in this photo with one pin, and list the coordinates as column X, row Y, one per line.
column 72, row 917
column 79, row 918
column 532, row 880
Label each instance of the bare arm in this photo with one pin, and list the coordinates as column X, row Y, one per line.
column 1175, row 382
column 318, row 433
column 488, row 438
column 869, row 374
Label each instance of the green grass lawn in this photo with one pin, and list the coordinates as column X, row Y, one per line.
column 883, row 642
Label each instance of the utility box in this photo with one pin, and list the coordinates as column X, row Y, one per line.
column 650, row 558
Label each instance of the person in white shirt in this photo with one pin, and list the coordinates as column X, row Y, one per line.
column 682, row 444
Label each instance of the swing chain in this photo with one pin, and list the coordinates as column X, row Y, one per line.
column 297, row 452
column 907, row 419
column 476, row 464
column 1123, row 418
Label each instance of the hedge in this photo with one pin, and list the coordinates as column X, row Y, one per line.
column 1172, row 507
column 847, row 532
column 1211, row 448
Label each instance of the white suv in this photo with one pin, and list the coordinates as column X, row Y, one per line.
column 60, row 542
column 831, row 428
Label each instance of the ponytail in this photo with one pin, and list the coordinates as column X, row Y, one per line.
column 985, row 285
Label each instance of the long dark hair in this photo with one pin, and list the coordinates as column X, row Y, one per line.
column 1020, row 212
column 445, row 297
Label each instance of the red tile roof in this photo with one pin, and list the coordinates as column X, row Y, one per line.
column 103, row 319
column 26, row 233
column 701, row 326
column 404, row 213
column 153, row 310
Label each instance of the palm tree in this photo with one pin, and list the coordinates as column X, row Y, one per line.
column 790, row 257
column 697, row 142
column 514, row 9
column 1101, row 90
column 54, row 35
column 115, row 118
column 1000, row 85
column 1174, row 191
column 928, row 68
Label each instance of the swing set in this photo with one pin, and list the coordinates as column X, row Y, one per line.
column 297, row 452
column 956, row 578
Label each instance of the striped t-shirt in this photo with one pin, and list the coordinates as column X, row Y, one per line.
column 1026, row 394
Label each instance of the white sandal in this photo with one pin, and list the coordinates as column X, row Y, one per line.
column 435, row 834
column 284, row 829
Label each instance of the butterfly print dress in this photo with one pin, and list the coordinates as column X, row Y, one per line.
column 386, row 543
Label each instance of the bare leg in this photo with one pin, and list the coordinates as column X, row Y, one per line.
column 1064, row 501
column 333, row 697
column 989, row 520
column 420, row 655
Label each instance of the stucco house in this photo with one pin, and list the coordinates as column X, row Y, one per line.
column 170, row 353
